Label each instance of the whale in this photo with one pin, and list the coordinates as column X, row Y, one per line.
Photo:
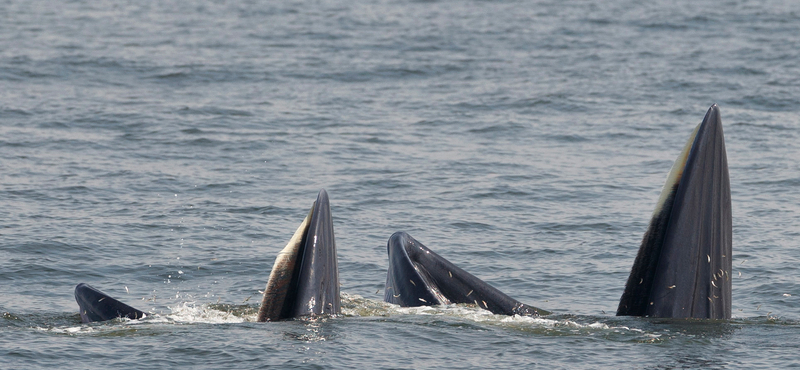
column 304, row 280
column 417, row 276
column 305, row 277
column 97, row 306
column 683, row 266
column 682, row 269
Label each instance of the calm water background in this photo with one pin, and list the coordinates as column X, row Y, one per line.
column 164, row 152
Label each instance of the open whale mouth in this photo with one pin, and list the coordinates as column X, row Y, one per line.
column 683, row 266
column 419, row 277
column 97, row 306
column 304, row 280
column 682, row 269
column 305, row 277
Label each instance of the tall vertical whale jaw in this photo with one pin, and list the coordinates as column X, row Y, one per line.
column 305, row 277
column 683, row 266
column 97, row 306
column 419, row 277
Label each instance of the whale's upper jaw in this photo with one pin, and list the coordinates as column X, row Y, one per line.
column 683, row 266
column 305, row 277
column 318, row 278
column 419, row 277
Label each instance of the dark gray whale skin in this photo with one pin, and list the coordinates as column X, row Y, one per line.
column 97, row 306
column 682, row 269
column 309, row 288
column 683, row 266
column 419, row 277
column 310, row 285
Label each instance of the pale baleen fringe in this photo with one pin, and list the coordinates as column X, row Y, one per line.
column 675, row 173
column 281, row 275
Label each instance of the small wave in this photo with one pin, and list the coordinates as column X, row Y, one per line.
column 14, row 113
column 779, row 184
column 68, row 330
column 354, row 305
column 766, row 103
column 572, row 138
column 763, row 126
column 183, row 313
column 213, row 111
column 71, row 325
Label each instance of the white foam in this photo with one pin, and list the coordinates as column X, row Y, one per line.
column 70, row 330
column 190, row 313
column 354, row 305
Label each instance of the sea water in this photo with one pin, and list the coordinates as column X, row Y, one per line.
column 164, row 152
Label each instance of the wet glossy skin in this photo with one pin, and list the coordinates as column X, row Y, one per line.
column 97, row 306
column 684, row 263
column 419, row 277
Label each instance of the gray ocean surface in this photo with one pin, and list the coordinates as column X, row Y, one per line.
column 165, row 151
